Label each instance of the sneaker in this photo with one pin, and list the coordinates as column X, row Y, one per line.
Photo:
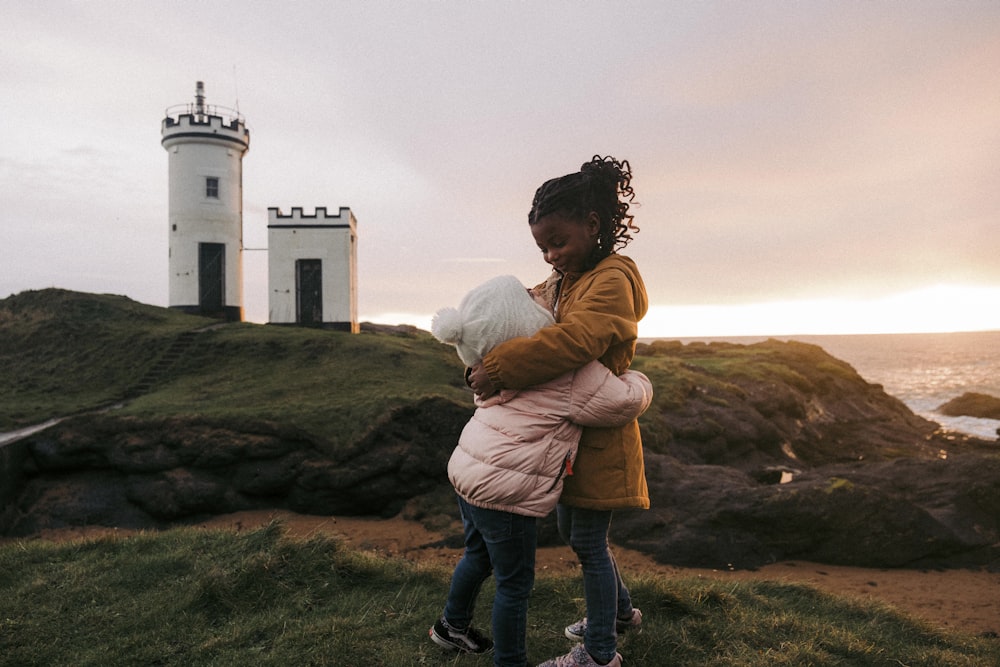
column 579, row 657
column 622, row 625
column 469, row 640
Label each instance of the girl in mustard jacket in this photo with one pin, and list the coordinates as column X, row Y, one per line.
column 579, row 221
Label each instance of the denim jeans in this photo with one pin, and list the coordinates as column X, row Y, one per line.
column 586, row 531
column 504, row 544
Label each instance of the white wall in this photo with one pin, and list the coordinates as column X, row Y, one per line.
column 198, row 150
column 330, row 238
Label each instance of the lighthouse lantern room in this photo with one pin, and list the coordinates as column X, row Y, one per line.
column 205, row 145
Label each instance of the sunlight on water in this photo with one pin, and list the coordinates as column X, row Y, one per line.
column 987, row 429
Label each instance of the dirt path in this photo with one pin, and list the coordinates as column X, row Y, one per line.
column 965, row 600
column 8, row 437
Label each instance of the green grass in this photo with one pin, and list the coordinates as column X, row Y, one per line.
column 77, row 351
column 200, row 597
column 64, row 353
column 334, row 385
column 767, row 362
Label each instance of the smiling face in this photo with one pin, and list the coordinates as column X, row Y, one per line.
column 566, row 242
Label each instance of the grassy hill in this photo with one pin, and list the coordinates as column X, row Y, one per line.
column 66, row 352
column 198, row 597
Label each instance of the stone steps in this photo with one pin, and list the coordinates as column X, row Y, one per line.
column 177, row 349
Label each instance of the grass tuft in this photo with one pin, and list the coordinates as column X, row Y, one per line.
column 192, row 596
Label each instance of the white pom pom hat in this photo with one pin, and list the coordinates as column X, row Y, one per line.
column 497, row 310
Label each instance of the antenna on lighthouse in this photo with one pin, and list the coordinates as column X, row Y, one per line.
column 199, row 99
column 237, row 89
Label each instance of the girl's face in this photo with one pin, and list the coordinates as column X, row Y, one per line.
column 566, row 242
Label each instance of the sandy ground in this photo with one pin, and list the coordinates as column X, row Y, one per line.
column 963, row 600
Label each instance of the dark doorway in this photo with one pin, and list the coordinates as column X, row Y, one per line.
column 309, row 292
column 211, row 277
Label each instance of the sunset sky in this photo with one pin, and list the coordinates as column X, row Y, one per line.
column 802, row 167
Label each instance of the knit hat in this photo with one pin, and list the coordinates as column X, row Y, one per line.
column 497, row 310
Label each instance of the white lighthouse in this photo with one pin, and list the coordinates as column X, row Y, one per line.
column 205, row 145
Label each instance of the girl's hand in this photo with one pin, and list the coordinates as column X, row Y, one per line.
column 479, row 380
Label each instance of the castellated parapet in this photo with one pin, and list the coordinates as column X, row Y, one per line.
column 230, row 131
column 343, row 217
column 312, row 268
column 201, row 122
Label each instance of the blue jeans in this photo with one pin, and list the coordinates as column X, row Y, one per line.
column 504, row 544
column 586, row 531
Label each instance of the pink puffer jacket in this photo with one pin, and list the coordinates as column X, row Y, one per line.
column 520, row 444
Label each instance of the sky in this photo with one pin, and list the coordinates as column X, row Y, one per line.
column 801, row 167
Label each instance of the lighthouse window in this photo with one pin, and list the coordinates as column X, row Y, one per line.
column 212, row 187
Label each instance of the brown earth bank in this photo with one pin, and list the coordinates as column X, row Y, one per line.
column 964, row 600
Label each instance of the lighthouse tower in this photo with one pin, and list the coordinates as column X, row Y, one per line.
column 206, row 145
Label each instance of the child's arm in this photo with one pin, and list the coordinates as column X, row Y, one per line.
column 604, row 315
column 601, row 399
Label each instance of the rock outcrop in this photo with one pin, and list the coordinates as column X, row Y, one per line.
column 134, row 473
column 972, row 404
column 902, row 513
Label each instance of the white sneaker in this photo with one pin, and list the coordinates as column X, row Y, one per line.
column 579, row 657
column 622, row 625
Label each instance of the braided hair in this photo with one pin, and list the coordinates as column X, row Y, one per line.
column 603, row 186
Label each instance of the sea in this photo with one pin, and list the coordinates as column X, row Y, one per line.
column 922, row 370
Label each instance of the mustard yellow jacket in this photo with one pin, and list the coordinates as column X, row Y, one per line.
column 597, row 318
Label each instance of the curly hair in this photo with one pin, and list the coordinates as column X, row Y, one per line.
column 603, row 185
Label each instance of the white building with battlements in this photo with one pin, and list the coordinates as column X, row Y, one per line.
column 312, row 268
column 312, row 259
